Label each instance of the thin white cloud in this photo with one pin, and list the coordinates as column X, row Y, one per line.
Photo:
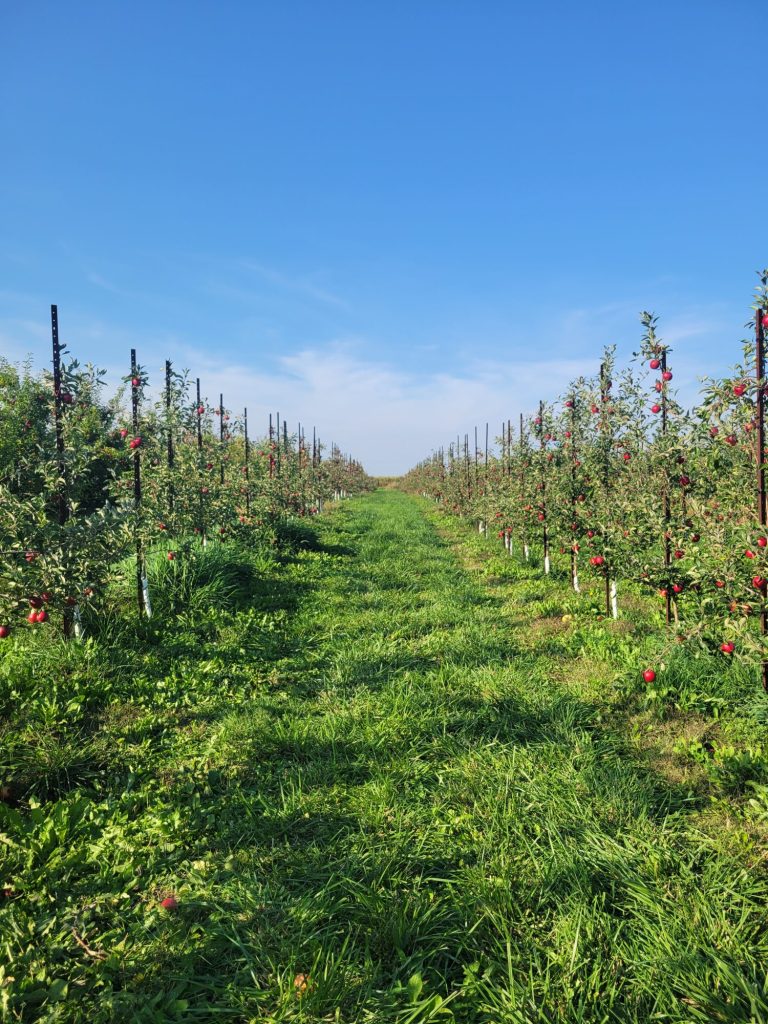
column 303, row 285
column 107, row 286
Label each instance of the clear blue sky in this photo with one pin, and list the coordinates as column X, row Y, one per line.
column 396, row 220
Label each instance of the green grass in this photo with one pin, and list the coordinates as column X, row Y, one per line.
column 367, row 764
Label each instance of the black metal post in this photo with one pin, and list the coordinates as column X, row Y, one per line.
column 221, row 439
column 170, row 453
column 62, row 505
column 762, row 504
column 137, row 484
column 247, row 466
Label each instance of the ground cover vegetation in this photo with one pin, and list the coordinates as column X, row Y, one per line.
column 389, row 775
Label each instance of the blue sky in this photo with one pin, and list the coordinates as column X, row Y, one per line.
column 392, row 220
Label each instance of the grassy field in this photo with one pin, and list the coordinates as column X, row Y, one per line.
column 391, row 777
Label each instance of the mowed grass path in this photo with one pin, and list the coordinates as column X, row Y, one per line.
column 421, row 818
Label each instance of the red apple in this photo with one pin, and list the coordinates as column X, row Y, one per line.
column 135, row 443
column 667, row 375
column 758, row 582
column 35, row 602
column 655, row 408
column 739, row 389
column 42, row 616
column 679, row 554
column 762, row 542
column 649, row 675
column 720, row 583
column 32, row 617
column 171, row 555
column 655, row 364
column 727, row 648
column 677, row 587
column 714, row 431
column 4, row 632
column 169, row 903
column 123, row 433
column 135, row 382
column 749, row 554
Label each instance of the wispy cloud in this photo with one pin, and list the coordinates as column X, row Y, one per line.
column 302, row 285
column 107, row 286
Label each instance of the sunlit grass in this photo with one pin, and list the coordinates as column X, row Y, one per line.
column 383, row 788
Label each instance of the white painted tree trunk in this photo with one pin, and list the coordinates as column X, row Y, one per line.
column 146, row 597
column 614, row 600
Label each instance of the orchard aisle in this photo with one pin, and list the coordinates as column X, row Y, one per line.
column 445, row 821
column 394, row 797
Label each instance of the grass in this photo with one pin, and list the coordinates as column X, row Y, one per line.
column 383, row 787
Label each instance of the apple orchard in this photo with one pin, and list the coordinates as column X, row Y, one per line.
column 94, row 488
column 617, row 486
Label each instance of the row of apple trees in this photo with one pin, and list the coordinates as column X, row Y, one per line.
column 617, row 482
column 91, row 483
